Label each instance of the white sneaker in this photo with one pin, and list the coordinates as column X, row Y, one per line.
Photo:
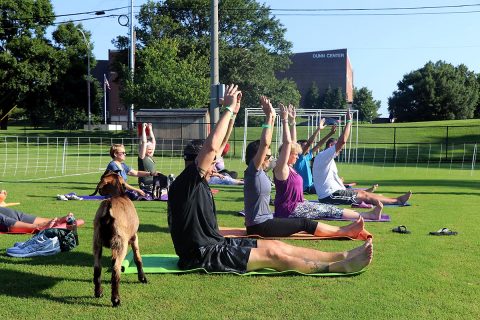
column 73, row 197
column 43, row 246
column 61, row 197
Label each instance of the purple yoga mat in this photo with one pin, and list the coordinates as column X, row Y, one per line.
column 385, row 218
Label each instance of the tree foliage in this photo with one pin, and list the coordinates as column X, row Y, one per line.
column 26, row 60
column 365, row 104
column 333, row 99
column 252, row 48
column 181, row 80
column 437, row 91
column 312, row 98
column 43, row 78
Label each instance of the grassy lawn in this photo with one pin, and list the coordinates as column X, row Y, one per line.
column 412, row 276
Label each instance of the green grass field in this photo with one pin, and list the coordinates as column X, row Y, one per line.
column 412, row 276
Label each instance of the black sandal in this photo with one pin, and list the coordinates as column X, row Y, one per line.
column 400, row 229
column 444, row 232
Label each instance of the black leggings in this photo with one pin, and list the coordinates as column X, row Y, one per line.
column 283, row 227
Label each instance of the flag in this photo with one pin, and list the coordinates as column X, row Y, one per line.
column 105, row 82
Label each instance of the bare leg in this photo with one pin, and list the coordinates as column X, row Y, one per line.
column 303, row 260
column 375, row 214
column 351, row 230
column 372, row 188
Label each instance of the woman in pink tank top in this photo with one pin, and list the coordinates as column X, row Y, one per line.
column 289, row 201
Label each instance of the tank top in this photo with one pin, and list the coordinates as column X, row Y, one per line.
column 288, row 194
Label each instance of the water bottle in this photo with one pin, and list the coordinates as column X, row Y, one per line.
column 72, row 226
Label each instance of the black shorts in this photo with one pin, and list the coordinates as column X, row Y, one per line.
column 230, row 256
column 283, row 227
column 347, row 197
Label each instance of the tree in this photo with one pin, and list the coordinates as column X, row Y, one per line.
column 365, row 104
column 333, row 99
column 69, row 90
column 312, row 97
column 27, row 61
column 164, row 80
column 251, row 44
column 438, row 91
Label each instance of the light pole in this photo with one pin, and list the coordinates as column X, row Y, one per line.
column 88, row 80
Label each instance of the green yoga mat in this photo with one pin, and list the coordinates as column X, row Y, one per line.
column 167, row 263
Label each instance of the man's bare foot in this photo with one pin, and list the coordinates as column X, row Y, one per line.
column 353, row 229
column 403, row 199
column 375, row 214
column 356, row 262
column 358, row 250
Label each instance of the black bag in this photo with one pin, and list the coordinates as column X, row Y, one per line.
column 66, row 237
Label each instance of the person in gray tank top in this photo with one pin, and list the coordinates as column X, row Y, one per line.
column 259, row 220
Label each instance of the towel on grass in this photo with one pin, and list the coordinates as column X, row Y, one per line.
column 167, row 263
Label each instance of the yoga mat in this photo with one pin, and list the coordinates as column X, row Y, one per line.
column 86, row 197
column 406, row 204
column 63, row 225
column 384, row 218
column 167, row 263
column 369, row 205
column 242, row 233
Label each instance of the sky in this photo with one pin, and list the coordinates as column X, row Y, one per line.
column 381, row 48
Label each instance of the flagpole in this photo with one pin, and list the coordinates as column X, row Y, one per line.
column 104, row 99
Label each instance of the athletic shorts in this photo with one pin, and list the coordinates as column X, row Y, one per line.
column 282, row 227
column 230, row 256
column 8, row 217
column 347, row 197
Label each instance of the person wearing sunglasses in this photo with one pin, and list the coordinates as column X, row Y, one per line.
column 259, row 219
column 118, row 154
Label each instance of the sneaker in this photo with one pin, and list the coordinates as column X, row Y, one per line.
column 42, row 247
column 30, row 241
column 61, row 197
column 72, row 197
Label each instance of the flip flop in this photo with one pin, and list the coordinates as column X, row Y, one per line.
column 400, row 229
column 444, row 232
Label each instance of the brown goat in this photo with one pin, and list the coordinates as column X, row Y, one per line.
column 115, row 227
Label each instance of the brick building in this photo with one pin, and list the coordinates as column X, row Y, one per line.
column 325, row 68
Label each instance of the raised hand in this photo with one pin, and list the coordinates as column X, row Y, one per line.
column 292, row 112
column 230, row 97
column 322, row 125
column 283, row 112
column 266, row 104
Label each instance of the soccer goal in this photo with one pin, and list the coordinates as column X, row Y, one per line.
column 310, row 119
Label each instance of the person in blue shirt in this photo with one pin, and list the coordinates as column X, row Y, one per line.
column 303, row 164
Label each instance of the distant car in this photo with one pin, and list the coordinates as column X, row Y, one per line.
column 331, row 122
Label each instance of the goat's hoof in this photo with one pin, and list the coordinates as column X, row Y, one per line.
column 115, row 302
column 99, row 293
column 143, row 279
